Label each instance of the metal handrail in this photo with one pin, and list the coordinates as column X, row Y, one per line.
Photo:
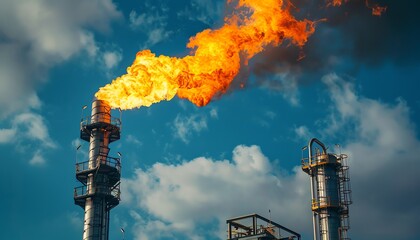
column 100, row 160
column 318, row 160
column 88, row 120
column 323, row 202
column 88, row 190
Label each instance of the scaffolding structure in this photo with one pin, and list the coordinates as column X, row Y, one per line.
column 256, row 227
column 330, row 191
column 100, row 174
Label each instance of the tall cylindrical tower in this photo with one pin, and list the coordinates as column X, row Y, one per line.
column 100, row 174
column 330, row 191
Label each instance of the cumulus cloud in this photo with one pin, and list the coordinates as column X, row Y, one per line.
column 382, row 142
column 184, row 126
column 146, row 229
column 380, row 138
column 181, row 197
column 28, row 130
column 37, row 35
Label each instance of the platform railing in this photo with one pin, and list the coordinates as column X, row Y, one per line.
column 99, row 118
column 89, row 190
column 100, row 160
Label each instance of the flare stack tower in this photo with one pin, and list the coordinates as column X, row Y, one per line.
column 100, row 174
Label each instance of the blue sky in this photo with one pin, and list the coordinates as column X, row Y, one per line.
column 187, row 169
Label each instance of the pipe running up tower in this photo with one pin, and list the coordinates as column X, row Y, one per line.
column 100, row 175
column 330, row 191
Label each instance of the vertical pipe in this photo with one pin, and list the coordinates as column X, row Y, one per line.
column 314, row 224
column 329, row 192
column 254, row 225
column 96, row 222
column 310, row 159
column 229, row 231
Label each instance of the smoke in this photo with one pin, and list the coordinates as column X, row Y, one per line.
column 346, row 38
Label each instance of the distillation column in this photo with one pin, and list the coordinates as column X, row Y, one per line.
column 100, row 175
column 330, row 192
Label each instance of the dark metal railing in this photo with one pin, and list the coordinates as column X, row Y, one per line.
column 100, row 118
column 100, row 160
column 88, row 190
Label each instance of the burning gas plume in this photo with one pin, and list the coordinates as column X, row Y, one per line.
column 216, row 56
column 215, row 59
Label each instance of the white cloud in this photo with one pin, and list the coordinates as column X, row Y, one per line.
column 133, row 140
column 37, row 159
column 112, row 58
column 136, row 20
column 270, row 114
column 28, row 130
column 146, row 229
column 381, row 141
column 39, row 35
column 16, row 92
column 75, row 219
column 251, row 159
column 383, row 147
column 266, row 118
column 303, row 133
column 32, row 127
column 76, row 143
column 184, row 127
column 157, row 35
column 83, row 151
column 7, row 135
column 207, row 12
column 214, row 114
column 181, row 197
column 152, row 23
column 284, row 83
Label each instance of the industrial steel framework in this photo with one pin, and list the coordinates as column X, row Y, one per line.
column 256, row 227
column 100, row 175
column 330, row 191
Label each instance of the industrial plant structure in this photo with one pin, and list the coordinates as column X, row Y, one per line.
column 100, row 191
column 256, row 227
column 100, row 174
column 330, row 191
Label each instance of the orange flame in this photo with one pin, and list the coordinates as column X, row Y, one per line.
column 336, row 3
column 376, row 9
column 215, row 59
